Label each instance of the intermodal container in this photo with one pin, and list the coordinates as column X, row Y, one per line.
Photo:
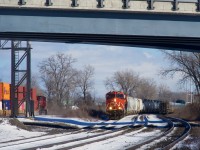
column 6, row 105
column 4, row 91
column 34, row 94
column 21, row 93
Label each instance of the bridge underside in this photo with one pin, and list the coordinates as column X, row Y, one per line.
column 168, row 43
column 138, row 29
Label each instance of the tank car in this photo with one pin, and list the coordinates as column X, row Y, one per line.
column 157, row 106
column 151, row 106
column 147, row 106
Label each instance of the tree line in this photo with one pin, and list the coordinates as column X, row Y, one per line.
column 62, row 82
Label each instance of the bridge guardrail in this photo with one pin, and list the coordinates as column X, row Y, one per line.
column 132, row 5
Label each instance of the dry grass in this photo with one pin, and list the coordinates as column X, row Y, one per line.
column 87, row 111
column 190, row 112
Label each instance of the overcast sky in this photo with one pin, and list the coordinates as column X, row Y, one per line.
column 105, row 59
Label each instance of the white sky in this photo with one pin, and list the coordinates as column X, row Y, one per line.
column 105, row 59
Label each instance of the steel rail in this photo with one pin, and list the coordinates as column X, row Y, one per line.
column 184, row 135
column 171, row 127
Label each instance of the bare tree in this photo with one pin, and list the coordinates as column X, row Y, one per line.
column 185, row 63
column 146, row 89
column 164, row 93
column 58, row 76
column 85, row 81
column 126, row 81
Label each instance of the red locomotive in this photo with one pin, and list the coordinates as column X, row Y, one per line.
column 116, row 104
column 42, row 105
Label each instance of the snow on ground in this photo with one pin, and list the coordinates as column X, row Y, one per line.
column 183, row 145
column 80, row 123
column 38, row 139
column 155, row 121
column 126, row 121
column 73, row 122
column 116, row 143
column 131, row 120
column 26, row 120
column 45, row 140
column 9, row 132
column 147, row 146
column 84, row 141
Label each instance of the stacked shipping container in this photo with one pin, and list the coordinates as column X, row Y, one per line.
column 5, row 98
column 5, row 102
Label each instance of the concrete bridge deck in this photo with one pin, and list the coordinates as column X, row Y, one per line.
column 171, row 24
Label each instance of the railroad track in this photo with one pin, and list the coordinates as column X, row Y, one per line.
column 106, row 137
column 177, row 131
column 84, row 136
column 185, row 133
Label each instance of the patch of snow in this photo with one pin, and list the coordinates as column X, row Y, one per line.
column 9, row 132
column 155, row 121
column 114, row 143
column 46, row 140
column 183, row 145
column 147, row 146
column 75, row 107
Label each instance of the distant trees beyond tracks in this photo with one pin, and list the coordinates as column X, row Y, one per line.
column 130, row 83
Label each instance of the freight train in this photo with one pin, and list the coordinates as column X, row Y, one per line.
column 118, row 104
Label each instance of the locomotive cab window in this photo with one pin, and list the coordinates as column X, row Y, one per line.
column 109, row 96
column 121, row 96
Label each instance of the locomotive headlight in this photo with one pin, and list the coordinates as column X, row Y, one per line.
column 120, row 108
column 115, row 100
column 110, row 108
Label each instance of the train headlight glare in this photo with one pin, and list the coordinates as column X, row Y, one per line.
column 115, row 100
column 110, row 108
column 120, row 108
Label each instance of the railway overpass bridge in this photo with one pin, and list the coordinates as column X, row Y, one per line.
column 164, row 24
column 167, row 24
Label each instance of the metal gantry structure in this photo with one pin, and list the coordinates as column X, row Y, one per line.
column 20, row 73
